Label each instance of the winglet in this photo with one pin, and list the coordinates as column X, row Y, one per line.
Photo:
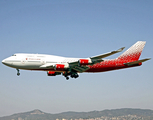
column 121, row 49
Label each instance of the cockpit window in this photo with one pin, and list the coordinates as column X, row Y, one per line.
column 14, row 55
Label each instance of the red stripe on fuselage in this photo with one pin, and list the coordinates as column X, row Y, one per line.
column 109, row 65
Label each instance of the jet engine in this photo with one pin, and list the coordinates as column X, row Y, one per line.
column 84, row 62
column 53, row 73
column 61, row 67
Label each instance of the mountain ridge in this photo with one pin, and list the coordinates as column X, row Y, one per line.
column 40, row 115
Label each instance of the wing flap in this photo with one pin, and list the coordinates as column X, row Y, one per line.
column 80, row 69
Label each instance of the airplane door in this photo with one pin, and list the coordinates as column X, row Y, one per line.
column 23, row 61
column 43, row 61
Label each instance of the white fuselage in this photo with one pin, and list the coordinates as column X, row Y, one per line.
column 34, row 61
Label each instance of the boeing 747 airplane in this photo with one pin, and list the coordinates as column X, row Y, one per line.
column 56, row 65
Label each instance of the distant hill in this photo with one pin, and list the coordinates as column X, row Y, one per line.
column 126, row 113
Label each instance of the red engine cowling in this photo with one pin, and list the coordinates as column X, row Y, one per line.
column 53, row 73
column 84, row 62
column 59, row 67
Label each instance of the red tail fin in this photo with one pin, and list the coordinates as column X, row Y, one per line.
column 134, row 52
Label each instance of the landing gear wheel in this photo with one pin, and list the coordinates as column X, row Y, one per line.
column 18, row 74
column 67, row 78
column 74, row 75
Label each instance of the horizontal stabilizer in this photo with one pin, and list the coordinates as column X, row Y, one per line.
column 136, row 62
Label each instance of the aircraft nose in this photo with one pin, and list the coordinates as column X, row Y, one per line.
column 3, row 61
column 7, row 61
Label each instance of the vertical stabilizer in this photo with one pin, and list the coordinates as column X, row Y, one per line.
column 134, row 52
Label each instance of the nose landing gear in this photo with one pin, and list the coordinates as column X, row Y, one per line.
column 18, row 72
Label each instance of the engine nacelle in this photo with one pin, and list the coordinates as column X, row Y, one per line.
column 61, row 67
column 53, row 73
column 84, row 62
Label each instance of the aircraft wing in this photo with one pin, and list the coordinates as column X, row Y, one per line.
column 73, row 63
column 75, row 66
column 80, row 68
column 96, row 59
column 50, row 65
column 107, row 54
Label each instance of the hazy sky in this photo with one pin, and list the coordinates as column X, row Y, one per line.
column 75, row 28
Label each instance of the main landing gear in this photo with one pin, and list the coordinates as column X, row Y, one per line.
column 74, row 75
column 71, row 74
column 67, row 78
column 18, row 72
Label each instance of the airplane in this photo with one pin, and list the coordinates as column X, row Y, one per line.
column 57, row 65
